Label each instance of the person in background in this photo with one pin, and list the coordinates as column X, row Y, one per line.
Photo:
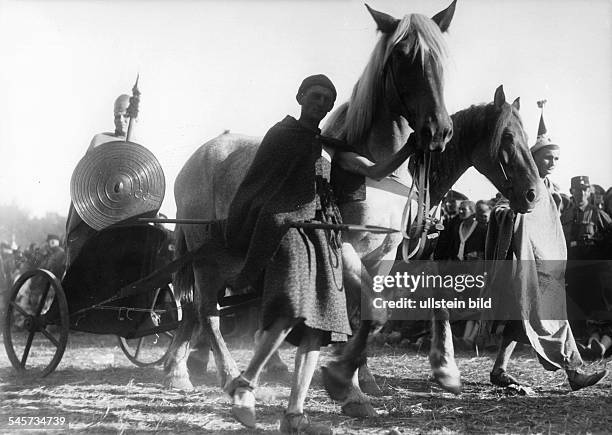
column 483, row 211
column 596, row 199
column 54, row 257
column 451, row 222
column 564, row 206
column 451, row 204
column 588, row 235
column 589, row 227
column 607, row 203
column 552, row 339
column 468, row 244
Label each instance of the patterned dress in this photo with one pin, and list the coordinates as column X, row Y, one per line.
column 304, row 277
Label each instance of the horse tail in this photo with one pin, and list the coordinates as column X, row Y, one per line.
column 183, row 278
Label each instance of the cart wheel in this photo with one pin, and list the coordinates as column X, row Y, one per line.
column 36, row 323
column 153, row 349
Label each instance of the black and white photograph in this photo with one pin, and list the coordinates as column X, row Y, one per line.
column 306, row 217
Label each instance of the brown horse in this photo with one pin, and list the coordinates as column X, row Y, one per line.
column 400, row 88
column 490, row 138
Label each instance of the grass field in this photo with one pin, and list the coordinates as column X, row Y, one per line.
column 97, row 390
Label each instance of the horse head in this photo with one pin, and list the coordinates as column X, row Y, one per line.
column 507, row 161
column 412, row 73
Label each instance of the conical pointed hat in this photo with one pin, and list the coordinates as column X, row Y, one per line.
column 116, row 181
column 543, row 141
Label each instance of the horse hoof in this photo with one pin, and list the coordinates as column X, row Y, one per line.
column 244, row 415
column 359, row 409
column 367, row 383
column 243, row 406
column 197, row 364
column 336, row 385
column 370, row 388
column 448, row 382
column 178, row 383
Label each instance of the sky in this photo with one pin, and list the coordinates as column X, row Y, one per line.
column 210, row 66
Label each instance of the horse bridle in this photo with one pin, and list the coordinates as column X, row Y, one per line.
column 424, row 220
column 388, row 71
column 507, row 179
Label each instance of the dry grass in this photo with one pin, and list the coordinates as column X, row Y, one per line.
column 99, row 391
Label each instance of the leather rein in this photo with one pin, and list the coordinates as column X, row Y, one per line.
column 417, row 228
column 420, row 229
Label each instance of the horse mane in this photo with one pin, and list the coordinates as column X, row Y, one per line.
column 508, row 114
column 468, row 123
column 476, row 124
column 424, row 40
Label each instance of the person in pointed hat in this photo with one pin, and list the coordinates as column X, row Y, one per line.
column 552, row 339
column 546, row 155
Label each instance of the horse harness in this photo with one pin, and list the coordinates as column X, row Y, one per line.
column 419, row 239
column 421, row 232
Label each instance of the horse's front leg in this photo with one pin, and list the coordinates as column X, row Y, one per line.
column 360, row 294
column 175, row 366
column 197, row 363
column 340, row 377
column 442, row 355
column 275, row 365
column 206, row 284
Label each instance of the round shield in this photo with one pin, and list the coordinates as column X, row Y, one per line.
column 116, row 181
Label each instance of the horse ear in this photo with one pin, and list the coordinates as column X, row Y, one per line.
column 444, row 18
column 517, row 103
column 500, row 98
column 386, row 23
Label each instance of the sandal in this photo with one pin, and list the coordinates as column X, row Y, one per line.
column 240, row 389
column 293, row 423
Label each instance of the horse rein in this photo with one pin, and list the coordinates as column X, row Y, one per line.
column 423, row 220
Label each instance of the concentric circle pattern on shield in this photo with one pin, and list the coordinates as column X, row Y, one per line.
column 116, row 181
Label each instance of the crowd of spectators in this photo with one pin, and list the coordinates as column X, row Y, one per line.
column 585, row 216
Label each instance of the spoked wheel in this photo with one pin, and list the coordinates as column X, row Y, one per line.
column 153, row 349
column 36, row 323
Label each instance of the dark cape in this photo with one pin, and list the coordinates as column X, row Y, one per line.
column 278, row 188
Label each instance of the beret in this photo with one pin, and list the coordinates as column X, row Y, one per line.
column 317, row 79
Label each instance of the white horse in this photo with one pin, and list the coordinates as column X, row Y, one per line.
column 400, row 91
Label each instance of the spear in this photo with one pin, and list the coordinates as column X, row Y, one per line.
column 132, row 110
column 294, row 224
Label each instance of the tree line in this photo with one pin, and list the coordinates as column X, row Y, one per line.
column 17, row 223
